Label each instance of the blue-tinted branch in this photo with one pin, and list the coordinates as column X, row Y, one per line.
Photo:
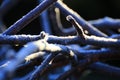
column 57, row 24
column 18, row 39
column 21, row 23
column 45, row 23
column 106, row 23
column 85, row 25
column 41, row 68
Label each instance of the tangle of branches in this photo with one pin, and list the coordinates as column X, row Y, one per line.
column 57, row 52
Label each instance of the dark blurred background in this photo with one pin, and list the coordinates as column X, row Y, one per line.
column 93, row 9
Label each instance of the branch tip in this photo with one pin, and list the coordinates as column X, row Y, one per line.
column 76, row 25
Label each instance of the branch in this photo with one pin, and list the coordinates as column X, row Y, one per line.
column 45, row 20
column 21, row 23
column 18, row 39
column 76, row 25
column 57, row 25
column 40, row 69
column 85, row 25
column 106, row 23
column 91, row 40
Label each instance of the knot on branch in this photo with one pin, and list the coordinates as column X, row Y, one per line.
column 42, row 35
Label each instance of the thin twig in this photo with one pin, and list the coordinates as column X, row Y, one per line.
column 76, row 25
column 18, row 39
column 85, row 25
column 45, row 20
column 57, row 24
column 37, row 73
column 106, row 23
column 21, row 23
column 92, row 40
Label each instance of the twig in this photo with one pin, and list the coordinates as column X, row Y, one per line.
column 55, row 45
column 57, row 62
column 102, row 55
column 45, row 20
column 18, row 39
column 31, row 48
column 77, row 26
column 40, row 69
column 87, row 29
column 57, row 25
column 106, row 23
column 90, row 40
column 85, row 25
column 34, row 56
column 89, row 59
column 21, row 23
column 116, row 36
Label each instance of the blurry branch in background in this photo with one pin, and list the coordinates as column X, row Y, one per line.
column 45, row 23
column 106, row 22
column 57, row 24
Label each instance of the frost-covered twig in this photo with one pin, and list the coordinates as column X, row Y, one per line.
column 21, row 23
column 85, row 39
column 57, row 24
column 76, row 25
column 40, row 69
column 85, row 25
column 91, row 40
column 32, row 47
column 45, row 23
column 58, row 61
column 61, row 52
column 18, row 39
